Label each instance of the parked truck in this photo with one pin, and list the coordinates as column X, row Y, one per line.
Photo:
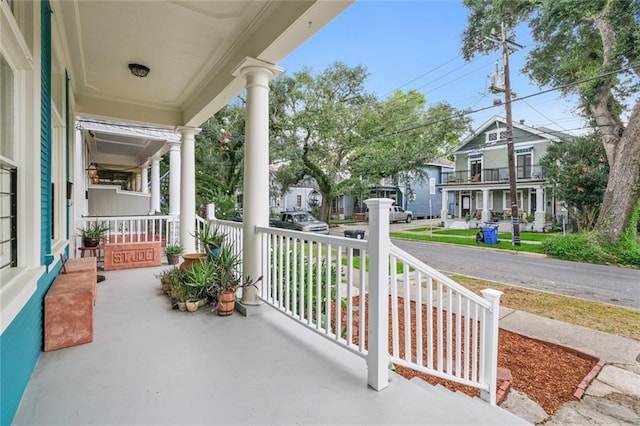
column 398, row 214
column 299, row 221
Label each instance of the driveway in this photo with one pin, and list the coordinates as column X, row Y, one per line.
column 608, row 284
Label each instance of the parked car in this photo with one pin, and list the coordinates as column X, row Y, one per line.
column 237, row 217
column 300, row 221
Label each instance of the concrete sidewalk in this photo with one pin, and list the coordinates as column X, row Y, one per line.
column 612, row 398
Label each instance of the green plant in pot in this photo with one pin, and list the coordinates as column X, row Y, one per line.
column 227, row 280
column 198, row 278
column 93, row 233
column 211, row 238
column 173, row 252
column 180, row 293
column 169, row 278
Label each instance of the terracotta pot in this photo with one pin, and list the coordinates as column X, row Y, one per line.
column 227, row 303
column 191, row 257
column 182, row 306
column 192, row 306
column 173, row 259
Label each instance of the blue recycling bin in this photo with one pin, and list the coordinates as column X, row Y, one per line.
column 490, row 233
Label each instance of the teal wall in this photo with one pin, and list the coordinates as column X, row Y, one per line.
column 21, row 343
column 20, row 347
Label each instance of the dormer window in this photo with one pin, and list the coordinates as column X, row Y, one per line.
column 496, row 135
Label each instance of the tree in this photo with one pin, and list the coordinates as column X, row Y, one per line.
column 330, row 130
column 219, row 156
column 590, row 48
column 314, row 126
column 579, row 171
column 402, row 136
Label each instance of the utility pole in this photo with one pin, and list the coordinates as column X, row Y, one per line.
column 515, row 218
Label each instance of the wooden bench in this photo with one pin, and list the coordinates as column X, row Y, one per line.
column 68, row 310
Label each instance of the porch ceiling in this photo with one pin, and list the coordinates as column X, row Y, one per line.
column 191, row 48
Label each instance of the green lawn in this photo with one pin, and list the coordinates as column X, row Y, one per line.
column 598, row 316
column 504, row 241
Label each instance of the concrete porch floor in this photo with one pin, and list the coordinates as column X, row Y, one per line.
column 149, row 364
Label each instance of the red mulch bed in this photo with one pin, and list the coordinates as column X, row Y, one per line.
column 548, row 374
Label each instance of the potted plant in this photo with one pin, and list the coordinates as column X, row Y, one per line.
column 211, row 239
column 93, row 233
column 169, row 278
column 173, row 252
column 227, row 280
column 179, row 295
column 198, row 279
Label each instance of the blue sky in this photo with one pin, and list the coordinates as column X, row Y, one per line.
column 416, row 45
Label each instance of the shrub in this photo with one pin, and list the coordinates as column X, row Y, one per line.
column 577, row 247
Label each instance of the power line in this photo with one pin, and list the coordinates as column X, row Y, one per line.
column 521, row 98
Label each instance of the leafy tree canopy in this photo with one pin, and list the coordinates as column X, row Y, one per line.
column 590, row 48
column 329, row 129
column 579, row 170
column 219, row 154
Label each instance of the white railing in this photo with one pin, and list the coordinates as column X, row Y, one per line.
column 322, row 283
column 453, row 332
column 136, row 228
column 233, row 234
column 315, row 280
column 200, row 223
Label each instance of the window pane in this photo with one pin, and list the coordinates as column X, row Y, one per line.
column 6, row 109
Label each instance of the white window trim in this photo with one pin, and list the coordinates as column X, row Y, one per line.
column 496, row 132
column 479, row 200
column 506, row 202
column 20, row 283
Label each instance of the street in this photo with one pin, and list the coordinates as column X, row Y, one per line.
column 608, row 284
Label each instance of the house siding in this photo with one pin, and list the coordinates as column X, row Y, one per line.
column 420, row 206
column 21, row 342
column 20, row 348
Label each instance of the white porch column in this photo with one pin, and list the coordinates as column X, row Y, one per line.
column 188, row 188
column 256, row 167
column 378, row 321
column 444, row 211
column 137, row 185
column 145, row 178
column 539, row 214
column 485, row 206
column 155, row 185
column 174, row 178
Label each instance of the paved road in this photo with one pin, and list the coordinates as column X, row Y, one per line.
column 618, row 286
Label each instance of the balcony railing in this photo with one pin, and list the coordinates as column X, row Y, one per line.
column 494, row 175
column 136, row 228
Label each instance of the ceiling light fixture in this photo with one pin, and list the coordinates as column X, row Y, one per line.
column 139, row 70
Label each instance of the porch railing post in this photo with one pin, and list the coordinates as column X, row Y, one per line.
column 490, row 355
column 378, row 333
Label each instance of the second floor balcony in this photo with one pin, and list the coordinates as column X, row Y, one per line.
column 493, row 175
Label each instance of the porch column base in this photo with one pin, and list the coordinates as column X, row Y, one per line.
column 251, row 310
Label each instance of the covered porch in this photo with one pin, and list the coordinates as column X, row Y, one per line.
column 151, row 365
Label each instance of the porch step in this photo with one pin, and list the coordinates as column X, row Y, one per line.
column 475, row 409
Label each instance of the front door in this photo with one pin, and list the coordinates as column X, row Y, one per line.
column 466, row 205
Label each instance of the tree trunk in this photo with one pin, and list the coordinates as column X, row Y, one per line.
column 623, row 188
column 325, row 208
